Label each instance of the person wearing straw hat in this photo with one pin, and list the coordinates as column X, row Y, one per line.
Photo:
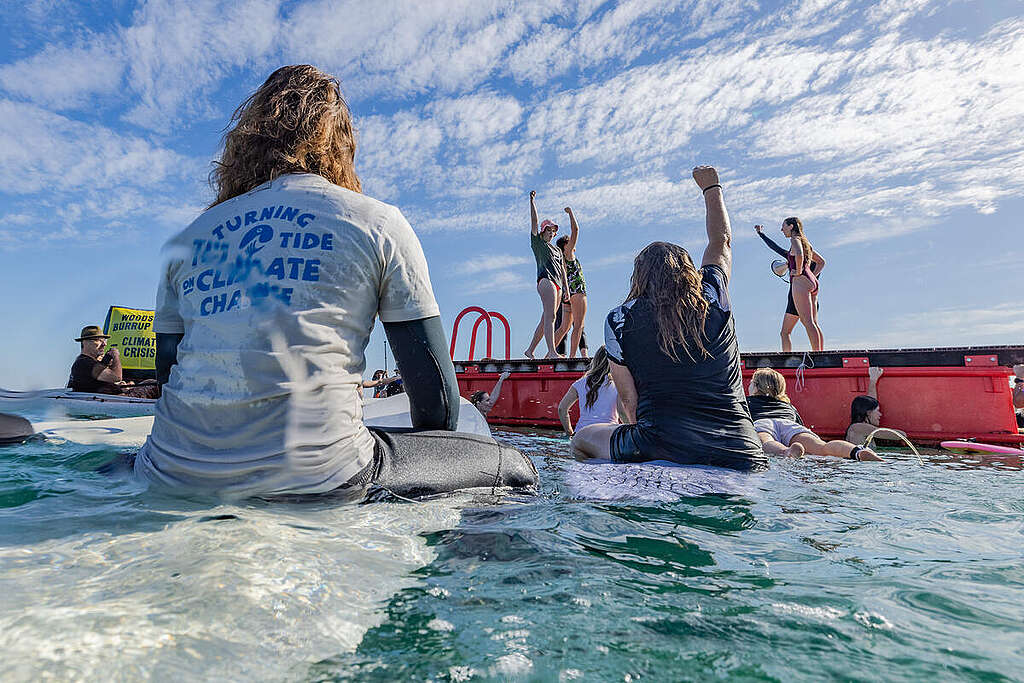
column 98, row 369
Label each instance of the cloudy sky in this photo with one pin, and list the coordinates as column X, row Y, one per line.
column 892, row 128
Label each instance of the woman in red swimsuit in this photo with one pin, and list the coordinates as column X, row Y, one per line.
column 804, row 283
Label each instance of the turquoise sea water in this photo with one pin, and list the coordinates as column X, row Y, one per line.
column 814, row 570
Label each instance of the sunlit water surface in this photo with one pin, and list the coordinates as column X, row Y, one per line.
column 813, row 570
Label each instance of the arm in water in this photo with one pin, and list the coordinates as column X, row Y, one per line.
column 719, row 249
column 166, row 355
column 421, row 352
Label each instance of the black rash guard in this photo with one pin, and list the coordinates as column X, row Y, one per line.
column 762, row 407
column 689, row 411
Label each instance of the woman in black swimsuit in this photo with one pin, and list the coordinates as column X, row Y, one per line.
column 792, row 315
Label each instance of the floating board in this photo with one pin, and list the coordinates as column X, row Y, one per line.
column 131, row 432
column 972, row 448
column 658, row 481
column 76, row 401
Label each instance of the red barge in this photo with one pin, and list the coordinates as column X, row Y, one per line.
column 934, row 395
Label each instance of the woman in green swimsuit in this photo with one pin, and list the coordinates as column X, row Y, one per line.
column 577, row 286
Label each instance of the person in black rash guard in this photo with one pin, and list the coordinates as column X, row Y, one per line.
column 675, row 360
column 791, row 316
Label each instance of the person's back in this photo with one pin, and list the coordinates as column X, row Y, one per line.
column 690, row 410
column 604, row 406
column 769, row 407
column 276, row 291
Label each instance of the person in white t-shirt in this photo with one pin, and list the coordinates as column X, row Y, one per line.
column 596, row 394
column 264, row 310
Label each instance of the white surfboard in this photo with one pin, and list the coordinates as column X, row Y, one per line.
column 131, row 432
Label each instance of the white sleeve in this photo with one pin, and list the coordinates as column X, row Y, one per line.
column 167, row 317
column 405, row 292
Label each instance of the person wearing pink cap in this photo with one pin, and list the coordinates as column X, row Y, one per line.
column 551, row 282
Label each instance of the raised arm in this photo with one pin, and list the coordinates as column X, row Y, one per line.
column 496, row 391
column 533, row 213
column 770, row 242
column 571, row 396
column 874, row 374
column 719, row 249
column 574, row 232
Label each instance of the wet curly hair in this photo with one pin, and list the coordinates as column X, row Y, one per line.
column 664, row 274
column 296, row 122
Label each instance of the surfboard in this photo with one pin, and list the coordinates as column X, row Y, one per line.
column 657, row 481
column 972, row 448
column 131, row 432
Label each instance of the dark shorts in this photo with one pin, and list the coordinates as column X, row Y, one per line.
column 632, row 443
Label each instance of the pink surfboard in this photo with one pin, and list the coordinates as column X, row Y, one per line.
column 970, row 447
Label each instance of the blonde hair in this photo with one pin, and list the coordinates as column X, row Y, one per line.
column 664, row 274
column 296, row 122
column 771, row 383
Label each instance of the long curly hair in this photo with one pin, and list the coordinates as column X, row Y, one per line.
column 797, row 226
column 664, row 275
column 598, row 375
column 296, row 122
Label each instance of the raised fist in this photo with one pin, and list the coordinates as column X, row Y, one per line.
column 705, row 176
column 533, row 194
column 874, row 373
column 758, row 229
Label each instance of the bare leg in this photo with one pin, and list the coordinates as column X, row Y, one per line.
column 593, row 442
column 813, row 444
column 563, row 329
column 814, row 314
column 579, row 313
column 773, row 447
column 544, row 330
column 802, row 299
column 789, row 321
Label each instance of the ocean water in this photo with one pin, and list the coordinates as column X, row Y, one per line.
column 814, row 570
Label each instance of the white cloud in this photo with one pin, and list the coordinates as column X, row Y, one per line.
column 40, row 150
column 484, row 263
column 503, row 281
column 65, row 78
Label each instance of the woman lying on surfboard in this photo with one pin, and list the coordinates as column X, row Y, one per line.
column 866, row 414
column 780, row 427
column 675, row 360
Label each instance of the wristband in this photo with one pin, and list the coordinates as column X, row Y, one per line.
column 705, row 190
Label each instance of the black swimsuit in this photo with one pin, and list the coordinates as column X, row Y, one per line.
column 784, row 253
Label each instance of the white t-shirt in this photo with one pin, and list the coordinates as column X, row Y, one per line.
column 276, row 292
column 603, row 409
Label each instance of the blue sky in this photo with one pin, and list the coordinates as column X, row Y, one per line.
column 893, row 129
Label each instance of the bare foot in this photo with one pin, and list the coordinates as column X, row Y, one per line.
column 528, row 354
column 795, row 451
column 868, row 454
column 553, row 354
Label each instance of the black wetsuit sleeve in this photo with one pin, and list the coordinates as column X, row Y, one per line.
column 421, row 351
column 773, row 246
column 166, row 355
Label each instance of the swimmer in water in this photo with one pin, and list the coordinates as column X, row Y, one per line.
column 263, row 397
column 577, row 307
column 866, row 414
column 551, row 282
column 780, row 428
column 595, row 391
column 675, row 360
column 485, row 401
column 804, row 266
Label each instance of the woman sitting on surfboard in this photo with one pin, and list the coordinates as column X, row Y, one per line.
column 675, row 360
column 780, row 428
column 792, row 315
column 264, row 310
column 866, row 414
column 595, row 391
